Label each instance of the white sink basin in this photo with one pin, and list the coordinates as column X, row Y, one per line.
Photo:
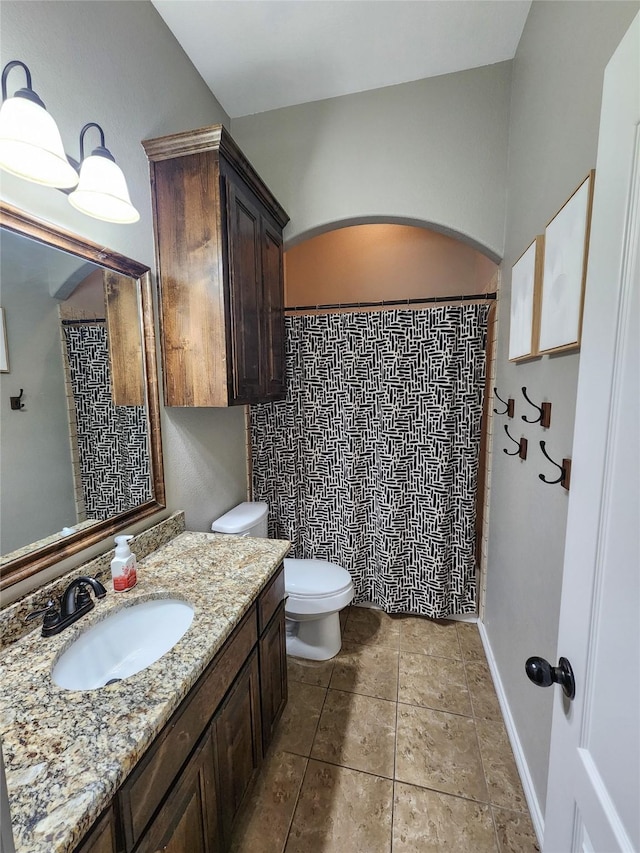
column 124, row 643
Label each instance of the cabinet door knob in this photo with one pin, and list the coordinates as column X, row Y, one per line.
column 543, row 674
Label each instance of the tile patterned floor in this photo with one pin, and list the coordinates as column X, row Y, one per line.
column 397, row 745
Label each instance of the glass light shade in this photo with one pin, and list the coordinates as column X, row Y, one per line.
column 31, row 147
column 102, row 191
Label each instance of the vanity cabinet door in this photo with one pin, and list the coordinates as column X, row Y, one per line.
column 239, row 744
column 102, row 838
column 273, row 675
column 188, row 819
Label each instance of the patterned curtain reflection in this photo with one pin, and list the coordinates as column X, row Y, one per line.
column 371, row 462
column 112, row 440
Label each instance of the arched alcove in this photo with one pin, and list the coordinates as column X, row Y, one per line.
column 383, row 261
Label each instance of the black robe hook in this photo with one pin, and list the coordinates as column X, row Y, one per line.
column 565, row 470
column 510, row 404
column 544, row 417
column 522, row 445
column 16, row 402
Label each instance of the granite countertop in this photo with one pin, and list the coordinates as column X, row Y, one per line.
column 67, row 752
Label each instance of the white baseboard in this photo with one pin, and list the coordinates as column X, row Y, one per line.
column 521, row 762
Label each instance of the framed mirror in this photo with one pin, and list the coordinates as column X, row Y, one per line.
column 80, row 447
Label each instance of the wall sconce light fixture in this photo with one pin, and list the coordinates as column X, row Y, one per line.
column 102, row 191
column 31, row 148
column 30, row 142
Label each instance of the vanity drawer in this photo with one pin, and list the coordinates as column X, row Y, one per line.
column 145, row 788
column 270, row 599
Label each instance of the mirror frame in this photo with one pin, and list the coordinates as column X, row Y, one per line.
column 16, row 220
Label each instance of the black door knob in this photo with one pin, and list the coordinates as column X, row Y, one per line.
column 543, row 674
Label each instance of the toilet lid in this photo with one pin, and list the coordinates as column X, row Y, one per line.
column 314, row 577
column 241, row 518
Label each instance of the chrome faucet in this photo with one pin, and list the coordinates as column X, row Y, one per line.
column 74, row 603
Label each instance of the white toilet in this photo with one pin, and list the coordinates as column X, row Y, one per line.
column 316, row 590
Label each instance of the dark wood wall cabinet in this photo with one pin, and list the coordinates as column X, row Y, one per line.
column 185, row 793
column 218, row 232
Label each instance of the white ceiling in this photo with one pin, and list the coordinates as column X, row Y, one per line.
column 258, row 55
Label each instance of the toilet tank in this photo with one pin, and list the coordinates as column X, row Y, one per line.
column 246, row 519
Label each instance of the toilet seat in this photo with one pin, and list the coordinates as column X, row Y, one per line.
column 314, row 577
column 315, row 586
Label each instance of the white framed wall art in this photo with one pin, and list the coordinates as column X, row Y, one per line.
column 526, row 275
column 565, row 269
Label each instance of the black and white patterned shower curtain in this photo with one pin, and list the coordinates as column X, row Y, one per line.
column 112, row 440
column 371, row 462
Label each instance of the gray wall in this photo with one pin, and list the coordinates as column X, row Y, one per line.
column 432, row 151
column 117, row 64
column 555, row 109
column 35, row 444
column 6, row 835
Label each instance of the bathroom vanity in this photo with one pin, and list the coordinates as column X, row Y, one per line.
column 164, row 759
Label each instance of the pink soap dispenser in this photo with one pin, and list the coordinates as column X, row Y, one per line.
column 123, row 565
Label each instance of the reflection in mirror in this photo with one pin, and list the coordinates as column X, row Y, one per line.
column 82, row 457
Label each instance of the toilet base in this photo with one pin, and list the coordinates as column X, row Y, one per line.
column 314, row 639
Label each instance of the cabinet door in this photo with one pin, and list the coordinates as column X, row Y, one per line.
column 189, row 224
column 273, row 675
column 102, row 838
column 273, row 313
column 187, row 820
column 239, row 743
column 245, row 294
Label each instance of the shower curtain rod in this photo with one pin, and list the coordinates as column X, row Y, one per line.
column 385, row 303
column 83, row 322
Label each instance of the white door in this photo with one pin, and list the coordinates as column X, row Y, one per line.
column 593, row 799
